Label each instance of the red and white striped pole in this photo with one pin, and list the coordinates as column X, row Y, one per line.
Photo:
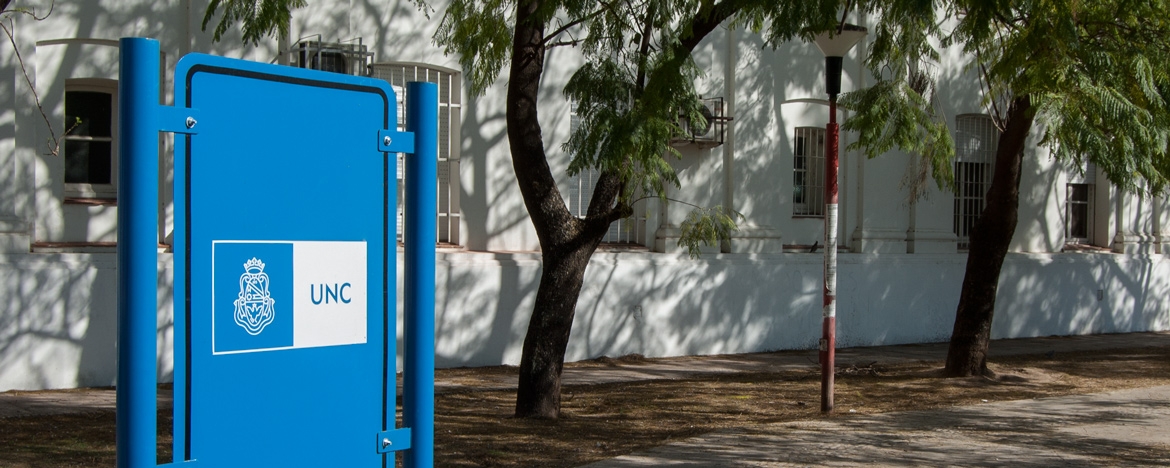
column 829, row 312
column 834, row 44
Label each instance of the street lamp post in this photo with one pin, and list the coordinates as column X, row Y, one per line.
column 834, row 44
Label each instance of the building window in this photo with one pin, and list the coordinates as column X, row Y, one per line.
column 976, row 139
column 450, row 118
column 1078, row 214
column 1078, row 206
column 580, row 191
column 808, row 172
column 88, row 147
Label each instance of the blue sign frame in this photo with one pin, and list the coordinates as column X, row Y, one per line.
column 285, row 265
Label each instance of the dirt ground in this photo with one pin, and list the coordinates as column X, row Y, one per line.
column 474, row 428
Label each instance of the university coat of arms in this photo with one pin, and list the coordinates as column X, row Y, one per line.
column 254, row 309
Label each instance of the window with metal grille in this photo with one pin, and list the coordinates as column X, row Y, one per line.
column 1078, row 207
column 450, row 115
column 88, row 150
column 348, row 58
column 808, row 172
column 976, row 139
column 580, row 191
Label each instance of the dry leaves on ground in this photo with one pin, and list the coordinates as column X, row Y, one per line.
column 474, row 427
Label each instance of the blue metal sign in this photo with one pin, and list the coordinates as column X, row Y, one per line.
column 284, row 269
column 281, row 214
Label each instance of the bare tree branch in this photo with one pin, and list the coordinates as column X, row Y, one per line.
column 54, row 143
column 571, row 24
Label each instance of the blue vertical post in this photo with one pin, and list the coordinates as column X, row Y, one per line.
column 418, row 392
column 138, row 91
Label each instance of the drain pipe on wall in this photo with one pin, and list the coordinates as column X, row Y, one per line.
column 729, row 140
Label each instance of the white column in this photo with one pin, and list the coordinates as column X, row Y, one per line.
column 15, row 195
column 932, row 222
column 1135, row 224
column 729, row 136
column 1161, row 236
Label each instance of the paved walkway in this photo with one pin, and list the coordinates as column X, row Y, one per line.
column 1125, row 428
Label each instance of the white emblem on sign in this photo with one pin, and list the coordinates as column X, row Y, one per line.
column 254, row 309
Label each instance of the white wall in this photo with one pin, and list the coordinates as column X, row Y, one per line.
column 58, row 319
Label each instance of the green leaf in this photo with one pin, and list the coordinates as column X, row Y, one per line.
column 707, row 226
column 257, row 18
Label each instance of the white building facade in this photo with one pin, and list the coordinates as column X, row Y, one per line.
column 1086, row 258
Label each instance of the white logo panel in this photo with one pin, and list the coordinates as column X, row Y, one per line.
column 329, row 293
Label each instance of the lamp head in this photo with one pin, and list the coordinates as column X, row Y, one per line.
column 835, row 44
column 838, row 42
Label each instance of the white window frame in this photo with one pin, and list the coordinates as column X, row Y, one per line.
column 87, row 190
column 976, row 140
column 450, row 114
column 808, row 182
column 580, row 190
column 1085, row 177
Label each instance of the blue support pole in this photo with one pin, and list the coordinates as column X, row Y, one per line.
column 138, row 92
column 418, row 392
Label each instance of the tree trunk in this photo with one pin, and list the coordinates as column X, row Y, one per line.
column 566, row 242
column 990, row 237
column 543, row 356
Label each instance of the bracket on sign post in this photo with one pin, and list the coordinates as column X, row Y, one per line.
column 394, row 441
column 269, row 300
column 178, row 120
column 393, row 141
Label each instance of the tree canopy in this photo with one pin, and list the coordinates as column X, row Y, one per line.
column 638, row 74
column 257, row 19
column 1092, row 75
column 1096, row 73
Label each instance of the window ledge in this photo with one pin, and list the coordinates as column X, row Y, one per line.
column 90, row 201
column 83, row 247
column 621, row 247
column 1074, row 247
column 801, row 248
column 74, row 247
column 817, row 248
column 439, row 246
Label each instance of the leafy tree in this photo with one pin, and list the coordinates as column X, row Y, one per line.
column 1093, row 78
column 638, row 78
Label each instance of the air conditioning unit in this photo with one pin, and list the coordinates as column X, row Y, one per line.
column 704, row 134
column 347, row 58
